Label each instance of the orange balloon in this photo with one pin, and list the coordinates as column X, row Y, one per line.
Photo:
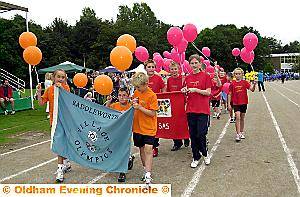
column 32, row 55
column 27, row 39
column 103, row 85
column 121, row 58
column 127, row 41
column 80, row 80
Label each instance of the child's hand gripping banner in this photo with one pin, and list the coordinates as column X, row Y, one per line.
column 89, row 134
column 171, row 116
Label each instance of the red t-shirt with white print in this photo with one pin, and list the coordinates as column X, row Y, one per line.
column 198, row 103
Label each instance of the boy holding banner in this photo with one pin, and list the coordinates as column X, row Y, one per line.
column 175, row 83
column 157, row 85
column 144, row 121
column 122, row 105
column 198, row 90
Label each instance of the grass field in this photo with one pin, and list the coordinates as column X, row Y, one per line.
column 23, row 121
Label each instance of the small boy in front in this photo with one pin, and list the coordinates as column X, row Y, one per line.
column 144, row 122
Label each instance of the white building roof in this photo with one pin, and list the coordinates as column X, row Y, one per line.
column 285, row 54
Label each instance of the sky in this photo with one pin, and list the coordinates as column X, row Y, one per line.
column 278, row 19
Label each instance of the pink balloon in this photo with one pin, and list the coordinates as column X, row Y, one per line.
column 158, row 60
column 201, row 59
column 235, row 52
column 206, row 51
column 166, row 65
column 250, row 41
column 247, row 56
column 158, row 68
column 206, row 62
column 175, row 56
column 190, row 32
column 155, row 54
column 181, row 47
column 225, row 87
column 210, row 69
column 141, row 53
column 174, row 50
column 186, row 67
column 167, row 54
column 174, row 36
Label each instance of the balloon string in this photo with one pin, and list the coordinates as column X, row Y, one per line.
column 202, row 53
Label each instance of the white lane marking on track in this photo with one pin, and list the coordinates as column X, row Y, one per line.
column 287, row 151
column 27, row 170
column 97, row 178
column 196, row 178
column 288, row 89
column 13, row 151
column 286, row 97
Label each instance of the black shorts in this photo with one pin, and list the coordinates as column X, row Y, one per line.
column 140, row 140
column 215, row 103
column 240, row 108
column 198, row 124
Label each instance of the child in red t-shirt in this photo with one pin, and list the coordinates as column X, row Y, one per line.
column 157, row 85
column 238, row 96
column 216, row 90
column 197, row 86
column 175, row 83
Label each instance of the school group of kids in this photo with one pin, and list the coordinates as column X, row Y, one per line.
column 202, row 91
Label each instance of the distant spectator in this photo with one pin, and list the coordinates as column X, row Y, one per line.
column 6, row 95
column 260, row 77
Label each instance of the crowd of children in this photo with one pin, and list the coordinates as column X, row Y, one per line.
column 202, row 91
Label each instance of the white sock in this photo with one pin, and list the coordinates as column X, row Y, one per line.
column 66, row 161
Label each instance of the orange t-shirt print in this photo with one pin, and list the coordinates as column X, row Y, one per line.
column 49, row 96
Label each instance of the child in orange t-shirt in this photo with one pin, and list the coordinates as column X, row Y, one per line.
column 60, row 80
column 144, row 121
column 122, row 105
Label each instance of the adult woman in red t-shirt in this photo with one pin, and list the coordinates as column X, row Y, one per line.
column 197, row 86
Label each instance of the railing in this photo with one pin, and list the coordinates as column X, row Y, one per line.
column 15, row 82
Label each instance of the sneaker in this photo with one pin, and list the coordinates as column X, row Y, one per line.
column 175, row 148
column 207, row 160
column 130, row 162
column 148, row 179
column 214, row 116
column 59, row 175
column 194, row 163
column 186, row 142
column 5, row 112
column 242, row 135
column 155, row 151
column 13, row 112
column 218, row 116
column 238, row 138
column 232, row 120
column 122, row 178
column 48, row 117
